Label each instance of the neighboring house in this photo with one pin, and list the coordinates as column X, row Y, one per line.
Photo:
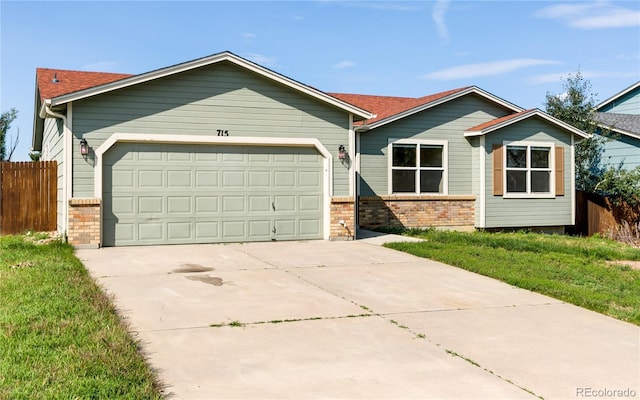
column 221, row 149
column 621, row 115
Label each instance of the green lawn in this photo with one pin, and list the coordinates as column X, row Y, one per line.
column 573, row 269
column 60, row 336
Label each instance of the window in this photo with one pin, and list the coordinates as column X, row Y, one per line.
column 528, row 169
column 418, row 167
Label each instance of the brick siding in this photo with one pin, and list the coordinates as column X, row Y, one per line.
column 417, row 212
column 342, row 209
column 84, row 223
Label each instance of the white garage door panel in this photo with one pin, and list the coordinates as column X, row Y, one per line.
column 171, row 193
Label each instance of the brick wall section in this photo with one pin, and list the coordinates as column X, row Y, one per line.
column 417, row 211
column 84, row 223
column 342, row 209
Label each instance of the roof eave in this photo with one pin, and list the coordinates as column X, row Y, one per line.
column 202, row 62
column 625, row 132
column 37, row 134
column 618, row 95
column 534, row 112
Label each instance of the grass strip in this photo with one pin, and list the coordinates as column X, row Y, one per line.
column 60, row 336
column 571, row 269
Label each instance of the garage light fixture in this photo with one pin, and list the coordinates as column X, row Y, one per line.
column 342, row 153
column 84, row 147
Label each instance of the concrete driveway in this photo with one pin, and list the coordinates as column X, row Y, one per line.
column 354, row 320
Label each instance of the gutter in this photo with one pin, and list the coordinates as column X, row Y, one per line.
column 66, row 144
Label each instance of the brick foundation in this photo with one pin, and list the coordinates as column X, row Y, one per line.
column 84, row 223
column 417, row 212
column 342, row 209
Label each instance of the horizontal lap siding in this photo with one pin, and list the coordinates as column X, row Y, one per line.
column 627, row 104
column 501, row 212
column 444, row 122
column 52, row 150
column 624, row 150
column 201, row 101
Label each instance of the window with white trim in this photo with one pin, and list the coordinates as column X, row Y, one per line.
column 418, row 167
column 529, row 169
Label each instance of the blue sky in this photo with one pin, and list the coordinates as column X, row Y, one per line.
column 517, row 50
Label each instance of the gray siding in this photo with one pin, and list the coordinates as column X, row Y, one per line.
column 525, row 212
column 201, row 101
column 52, row 150
column 625, row 150
column 443, row 122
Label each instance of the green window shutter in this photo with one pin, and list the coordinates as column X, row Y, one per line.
column 497, row 170
column 559, row 171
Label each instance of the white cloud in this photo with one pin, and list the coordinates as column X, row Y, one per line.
column 560, row 76
column 374, row 5
column 547, row 78
column 261, row 59
column 344, row 64
column 101, row 66
column 248, row 35
column 595, row 15
column 485, row 69
column 438, row 13
column 628, row 57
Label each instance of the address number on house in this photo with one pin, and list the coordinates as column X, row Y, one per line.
column 222, row 132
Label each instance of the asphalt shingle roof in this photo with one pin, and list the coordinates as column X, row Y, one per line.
column 388, row 106
column 627, row 122
column 497, row 121
column 71, row 81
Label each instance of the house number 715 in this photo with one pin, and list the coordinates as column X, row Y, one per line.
column 223, row 132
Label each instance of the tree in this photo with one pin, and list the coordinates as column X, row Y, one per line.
column 35, row 155
column 5, row 123
column 576, row 107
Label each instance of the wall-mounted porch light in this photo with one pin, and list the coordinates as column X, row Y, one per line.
column 342, row 153
column 84, row 147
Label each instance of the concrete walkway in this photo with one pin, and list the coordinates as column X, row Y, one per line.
column 353, row 320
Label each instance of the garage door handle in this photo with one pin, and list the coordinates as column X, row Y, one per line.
column 273, row 205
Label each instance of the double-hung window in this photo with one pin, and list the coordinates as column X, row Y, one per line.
column 529, row 169
column 418, row 167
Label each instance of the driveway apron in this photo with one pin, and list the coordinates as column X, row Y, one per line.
column 354, row 320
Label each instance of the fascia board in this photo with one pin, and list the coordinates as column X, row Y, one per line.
column 501, row 125
column 201, row 62
column 137, row 79
column 563, row 124
column 618, row 95
column 519, row 118
column 621, row 131
column 453, row 96
column 37, row 131
column 496, row 99
column 300, row 87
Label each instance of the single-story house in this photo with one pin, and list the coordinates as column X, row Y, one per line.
column 620, row 114
column 220, row 149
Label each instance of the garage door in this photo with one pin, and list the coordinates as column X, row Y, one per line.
column 166, row 194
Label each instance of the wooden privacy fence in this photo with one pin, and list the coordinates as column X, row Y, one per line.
column 28, row 196
column 598, row 214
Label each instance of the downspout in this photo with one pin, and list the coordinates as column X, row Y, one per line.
column 352, row 174
column 357, row 140
column 66, row 138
